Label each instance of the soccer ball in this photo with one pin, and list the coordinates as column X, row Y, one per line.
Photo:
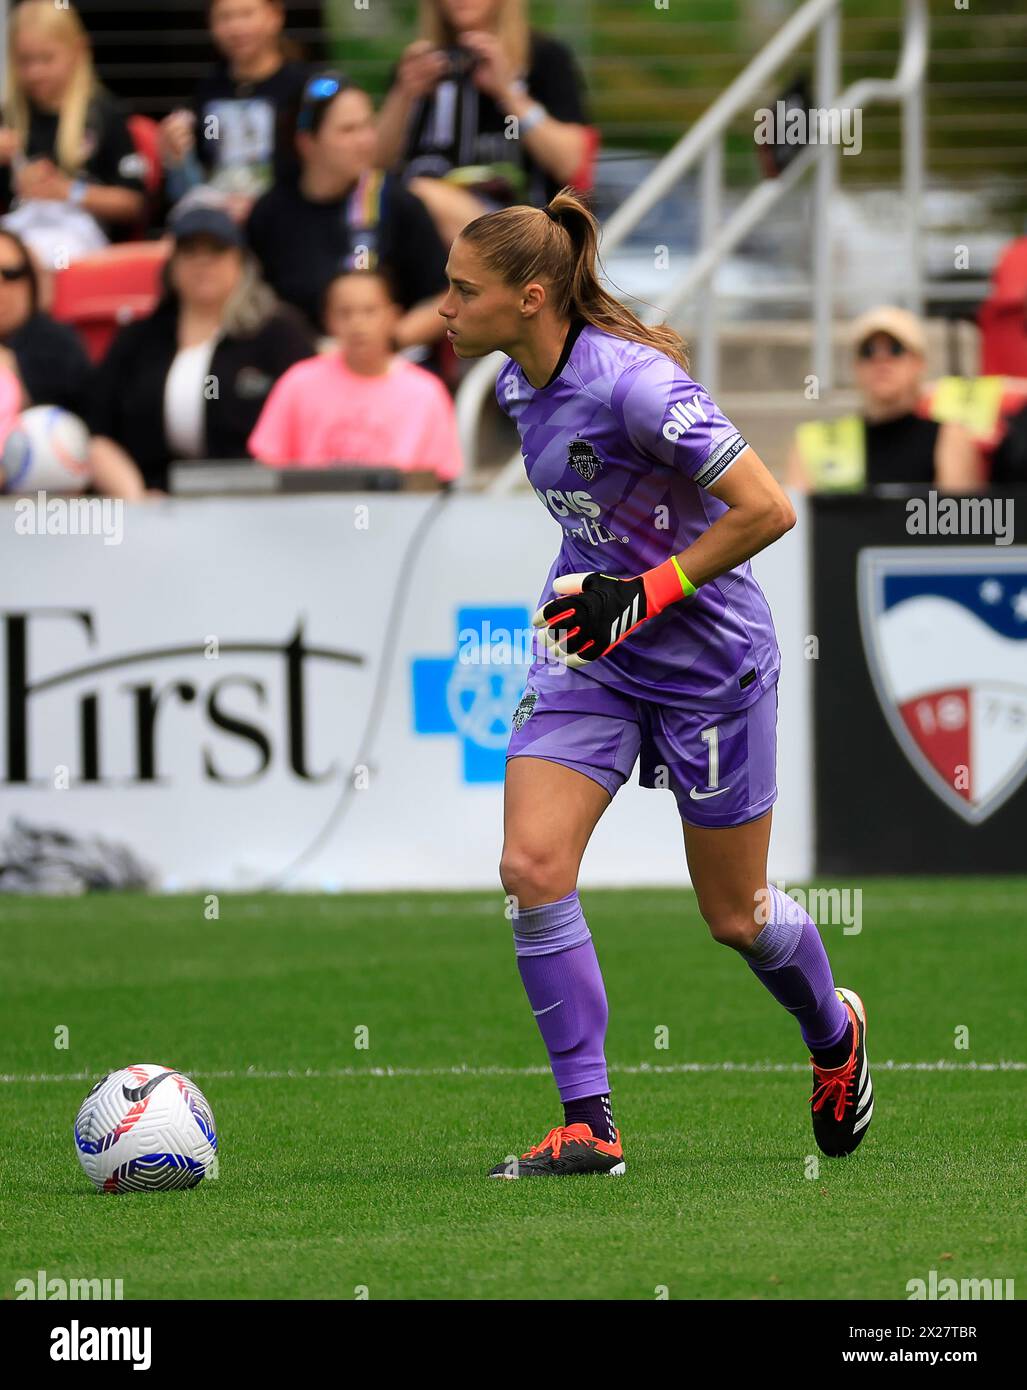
column 146, row 1128
column 47, row 450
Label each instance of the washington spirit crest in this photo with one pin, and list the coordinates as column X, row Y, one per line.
column 523, row 711
column 583, row 459
column 945, row 633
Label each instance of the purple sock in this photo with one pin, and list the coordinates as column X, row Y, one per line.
column 788, row 956
column 558, row 964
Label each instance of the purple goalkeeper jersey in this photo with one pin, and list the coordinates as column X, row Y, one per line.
column 621, row 446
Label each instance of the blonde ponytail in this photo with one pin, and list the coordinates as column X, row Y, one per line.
column 559, row 245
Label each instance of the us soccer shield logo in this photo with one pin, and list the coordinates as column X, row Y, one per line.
column 945, row 634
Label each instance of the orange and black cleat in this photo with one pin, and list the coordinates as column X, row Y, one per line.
column 843, row 1097
column 564, row 1152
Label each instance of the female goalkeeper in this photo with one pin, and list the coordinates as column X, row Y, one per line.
column 655, row 643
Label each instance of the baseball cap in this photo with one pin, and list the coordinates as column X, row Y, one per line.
column 899, row 324
column 207, row 221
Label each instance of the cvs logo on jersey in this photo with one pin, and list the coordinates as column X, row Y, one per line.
column 566, row 503
column 683, row 414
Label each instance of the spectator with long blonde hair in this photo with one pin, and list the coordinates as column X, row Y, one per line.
column 66, row 155
column 446, row 123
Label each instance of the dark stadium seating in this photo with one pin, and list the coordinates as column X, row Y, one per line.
column 152, row 54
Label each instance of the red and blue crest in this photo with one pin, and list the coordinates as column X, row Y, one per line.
column 945, row 634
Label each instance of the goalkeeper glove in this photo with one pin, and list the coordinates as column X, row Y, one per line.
column 603, row 610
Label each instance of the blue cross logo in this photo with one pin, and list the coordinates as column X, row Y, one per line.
column 474, row 692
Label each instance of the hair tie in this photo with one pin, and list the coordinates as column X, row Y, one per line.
column 551, row 215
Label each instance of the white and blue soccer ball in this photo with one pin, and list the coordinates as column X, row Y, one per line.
column 146, row 1128
column 47, row 450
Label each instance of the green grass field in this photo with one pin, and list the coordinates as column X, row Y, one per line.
column 339, row 1175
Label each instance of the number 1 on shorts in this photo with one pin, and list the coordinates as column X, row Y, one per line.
column 709, row 737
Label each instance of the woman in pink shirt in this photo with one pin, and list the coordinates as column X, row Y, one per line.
column 363, row 404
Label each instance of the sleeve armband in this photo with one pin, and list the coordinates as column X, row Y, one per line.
column 720, row 460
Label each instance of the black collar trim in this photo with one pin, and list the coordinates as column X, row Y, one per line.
column 573, row 334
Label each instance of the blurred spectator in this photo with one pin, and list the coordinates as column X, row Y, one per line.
column 239, row 133
column 362, row 403
column 983, row 405
column 189, row 381
column 1003, row 315
column 445, row 124
column 888, row 441
column 66, row 155
column 343, row 214
column 1009, row 461
column 43, row 363
column 47, row 356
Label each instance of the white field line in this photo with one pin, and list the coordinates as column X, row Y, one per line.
column 640, row 1069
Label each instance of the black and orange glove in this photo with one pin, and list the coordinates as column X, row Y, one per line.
column 601, row 610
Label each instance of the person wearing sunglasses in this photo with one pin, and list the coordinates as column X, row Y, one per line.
column 891, row 439
column 237, row 133
column 43, row 362
column 47, row 356
column 342, row 213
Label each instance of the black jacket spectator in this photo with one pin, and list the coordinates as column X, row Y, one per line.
column 302, row 245
column 50, row 357
column 127, row 393
column 52, row 362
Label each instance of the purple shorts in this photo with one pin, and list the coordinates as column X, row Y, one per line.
column 720, row 766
